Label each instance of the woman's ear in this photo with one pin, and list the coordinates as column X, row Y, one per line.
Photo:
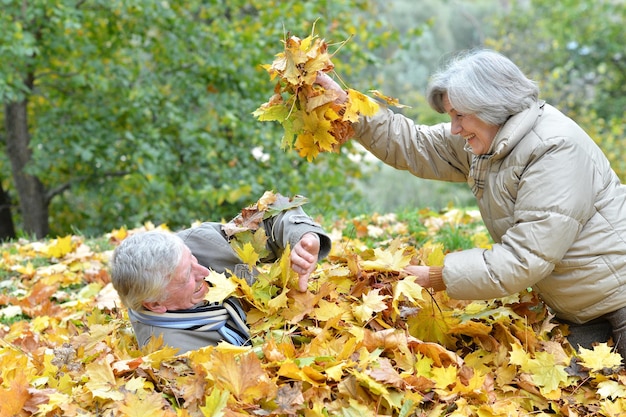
column 154, row 306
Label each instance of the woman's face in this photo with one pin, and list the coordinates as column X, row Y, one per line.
column 478, row 134
column 186, row 288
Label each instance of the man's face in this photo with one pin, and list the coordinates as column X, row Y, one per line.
column 187, row 287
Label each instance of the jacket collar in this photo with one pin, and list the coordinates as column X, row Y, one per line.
column 516, row 128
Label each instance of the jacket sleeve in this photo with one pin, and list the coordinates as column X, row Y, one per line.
column 555, row 199
column 209, row 245
column 430, row 152
column 288, row 227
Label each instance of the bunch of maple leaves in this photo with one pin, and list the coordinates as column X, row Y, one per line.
column 365, row 340
column 312, row 119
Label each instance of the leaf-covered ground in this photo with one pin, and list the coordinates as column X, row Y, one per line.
column 364, row 341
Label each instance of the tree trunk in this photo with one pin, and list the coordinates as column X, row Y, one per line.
column 7, row 229
column 31, row 192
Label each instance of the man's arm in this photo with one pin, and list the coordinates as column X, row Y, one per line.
column 308, row 241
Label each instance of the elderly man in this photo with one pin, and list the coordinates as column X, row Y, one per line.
column 160, row 276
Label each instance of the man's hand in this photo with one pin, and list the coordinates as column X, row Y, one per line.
column 304, row 258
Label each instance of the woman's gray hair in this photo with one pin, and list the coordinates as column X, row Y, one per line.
column 142, row 266
column 484, row 83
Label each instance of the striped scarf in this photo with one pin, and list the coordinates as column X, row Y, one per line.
column 227, row 318
column 478, row 172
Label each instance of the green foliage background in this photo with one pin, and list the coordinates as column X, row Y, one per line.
column 141, row 110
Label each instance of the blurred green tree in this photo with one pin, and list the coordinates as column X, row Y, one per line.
column 118, row 112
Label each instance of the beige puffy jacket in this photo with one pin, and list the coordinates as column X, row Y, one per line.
column 552, row 204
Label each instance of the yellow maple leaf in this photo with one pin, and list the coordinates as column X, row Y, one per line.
column 543, row 369
column 372, row 302
column 319, row 127
column 222, row 287
column 432, row 325
column 247, row 253
column 145, row 404
column 327, row 310
column 119, row 234
column 546, row 373
column 611, row 389
column 290, row 369
column 163, row 354
column 267, row 113
column 101, row 381
column 278, row 303
column 406, row 288
column 602, row 356
column 243, row 376
column 390, row 259
column 306, row 146
column 215, row 403
column 27, row 270
column 359, row 105
column 60, row 247
column 444, row 376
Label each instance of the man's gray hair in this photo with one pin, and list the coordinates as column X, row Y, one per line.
column 484, row 83
column 142, row 266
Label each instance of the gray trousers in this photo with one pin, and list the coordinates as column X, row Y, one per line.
column 600, row 330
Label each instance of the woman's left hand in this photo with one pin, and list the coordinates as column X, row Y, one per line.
column 421, row 273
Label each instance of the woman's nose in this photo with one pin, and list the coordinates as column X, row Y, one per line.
column 455, row 127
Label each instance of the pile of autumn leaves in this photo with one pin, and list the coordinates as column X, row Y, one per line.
column 364, row 341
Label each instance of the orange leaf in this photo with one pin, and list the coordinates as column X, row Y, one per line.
column 15, row 397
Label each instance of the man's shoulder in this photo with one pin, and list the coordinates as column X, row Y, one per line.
column 208, row 231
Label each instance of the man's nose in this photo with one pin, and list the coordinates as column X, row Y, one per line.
column 201, row 272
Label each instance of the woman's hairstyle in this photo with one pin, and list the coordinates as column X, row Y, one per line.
column 142, row 266
column 484, row 83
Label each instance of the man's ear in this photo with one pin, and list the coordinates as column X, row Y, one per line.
column 154, row 306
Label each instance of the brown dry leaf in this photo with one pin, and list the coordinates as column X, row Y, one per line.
column 289, row 399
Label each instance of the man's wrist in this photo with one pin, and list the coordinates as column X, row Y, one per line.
column 312, row 234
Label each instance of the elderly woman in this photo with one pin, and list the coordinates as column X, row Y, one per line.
column 552, row 204
column 160, row 277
